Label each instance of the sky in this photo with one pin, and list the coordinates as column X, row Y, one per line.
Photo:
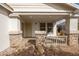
column 77, row 3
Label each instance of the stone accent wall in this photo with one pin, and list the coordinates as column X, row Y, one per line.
column 73, row 39
column 16, row 39
column 40, row 37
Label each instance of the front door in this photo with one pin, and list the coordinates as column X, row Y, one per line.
column 49, row 27
column 27, row 29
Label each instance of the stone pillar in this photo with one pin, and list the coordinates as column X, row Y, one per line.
column 73, row 39
column 15, row 31
column 40, row 41
column 72, row 31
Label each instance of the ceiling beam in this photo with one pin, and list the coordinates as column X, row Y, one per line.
column 17, row 14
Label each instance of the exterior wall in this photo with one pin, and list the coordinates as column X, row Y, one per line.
column 14, row 25
column 29, row 29
column 4, row 35
column 35, row 27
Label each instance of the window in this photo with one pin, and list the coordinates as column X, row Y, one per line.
column 42, row 26
column 46, row 27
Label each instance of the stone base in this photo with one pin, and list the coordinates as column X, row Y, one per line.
column 15, row 40
column 73, row 39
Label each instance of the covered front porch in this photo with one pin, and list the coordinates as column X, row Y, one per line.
column 55, row 25
column 59, row 28
column 52, row 24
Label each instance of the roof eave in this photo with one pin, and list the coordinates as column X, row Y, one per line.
column 6, row 6
column 72, row 5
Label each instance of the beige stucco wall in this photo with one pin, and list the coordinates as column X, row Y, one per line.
column 74, row 25
column 4, row 34
column 14, row 25
column 35, row 27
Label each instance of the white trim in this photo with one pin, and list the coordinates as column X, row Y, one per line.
column 52, row 13
column 6, row 6
column 73, row 5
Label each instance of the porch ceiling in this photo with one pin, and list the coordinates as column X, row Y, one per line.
column 42, row 18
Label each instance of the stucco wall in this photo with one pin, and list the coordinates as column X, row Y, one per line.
column 35, row 27
column 14, row 24
column 73, row 25
column 4, row 35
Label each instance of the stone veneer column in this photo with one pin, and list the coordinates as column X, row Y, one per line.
column 72, row 31
column 74, row 35
column 73, row 39
column 40, row 41
column 15, row 32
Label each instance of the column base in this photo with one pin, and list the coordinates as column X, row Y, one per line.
column 15, row 39
column 73, row 39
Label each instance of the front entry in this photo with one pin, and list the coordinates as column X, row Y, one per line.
column 27, row 31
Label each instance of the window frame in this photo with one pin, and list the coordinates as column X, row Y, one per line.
column 47, row 27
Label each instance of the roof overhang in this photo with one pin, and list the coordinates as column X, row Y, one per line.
column 73, row 5
column 38, row 9
column 33, row 7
